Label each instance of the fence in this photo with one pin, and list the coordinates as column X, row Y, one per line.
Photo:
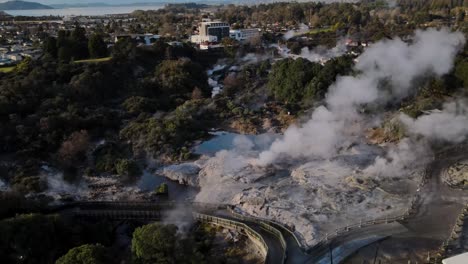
column 271, row 223
column 119, row 214
column 366, row 223
column 265, row 224
column 252, row 234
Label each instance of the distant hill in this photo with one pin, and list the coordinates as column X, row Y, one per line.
column 22, row 5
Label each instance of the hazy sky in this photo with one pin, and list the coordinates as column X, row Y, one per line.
column 155, row 1
column 98, row 1
column 51, row 2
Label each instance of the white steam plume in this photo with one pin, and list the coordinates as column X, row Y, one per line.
column 303, row 28
column 395, row 61
column 321, row 53
column 401, row 159
column 449, row 125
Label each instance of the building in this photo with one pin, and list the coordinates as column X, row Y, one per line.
column 214, row 28
column 146, row 39
column 211, row 32
column 244, row 34
column 459, row 259
column 198, row 39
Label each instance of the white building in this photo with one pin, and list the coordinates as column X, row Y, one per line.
column 211, row 31
column 459, row 259
column 244, row 34
column 199, row 39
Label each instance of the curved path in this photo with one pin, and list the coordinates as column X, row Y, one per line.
column 155, row 211
column 439, row 204
column 275, row 250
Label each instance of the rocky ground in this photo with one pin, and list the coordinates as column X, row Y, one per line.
column 457, row 174
column 91, row 188
column 313, row 196
column 236, row 247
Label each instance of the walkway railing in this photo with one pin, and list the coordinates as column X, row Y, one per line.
column 364, row 223
column 265, row 224
column 252, row 234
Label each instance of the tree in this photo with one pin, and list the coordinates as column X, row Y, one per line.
column 138, row 104
column 65, row 53
column 155, row 244
column 24, row 66
column 50, row 46
column 300, row 81
column 79, row 43
column 127, row 168
column 85, row 254
column 73, row 149
column 197, row 94
column 461, row 71
column 289, row 78
column 31, row 238
column 229, row 45
column 97, row 47
column 124, row 49
column 182, row 77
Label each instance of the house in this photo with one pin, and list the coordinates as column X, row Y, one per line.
column 147, row 39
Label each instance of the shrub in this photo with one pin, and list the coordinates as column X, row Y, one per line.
column 138, row 104
column 128, row 168
column 155, row 243
column 163, row 189
column 85, row 254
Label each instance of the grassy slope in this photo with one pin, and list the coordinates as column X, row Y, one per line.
column 94, row 60
column 7, row 69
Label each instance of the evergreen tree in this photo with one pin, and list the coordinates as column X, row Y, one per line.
column 97, row 47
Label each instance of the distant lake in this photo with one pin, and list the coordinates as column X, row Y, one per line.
column 83, row 11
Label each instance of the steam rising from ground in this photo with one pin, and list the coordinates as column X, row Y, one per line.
column 322, row 53
column 181, row 216
column 400, row 159
column 323, row 174
column 393, row 61
column 449, row 125
column 303, row 28
column 318, row 54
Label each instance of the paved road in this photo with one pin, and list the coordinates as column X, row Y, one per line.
column 275, row 250
column 436, row 212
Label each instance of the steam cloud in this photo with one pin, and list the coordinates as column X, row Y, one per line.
column 303, row 28
column 401, row 159
column 321, row 53
column 449, row 125
column 394, row 61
